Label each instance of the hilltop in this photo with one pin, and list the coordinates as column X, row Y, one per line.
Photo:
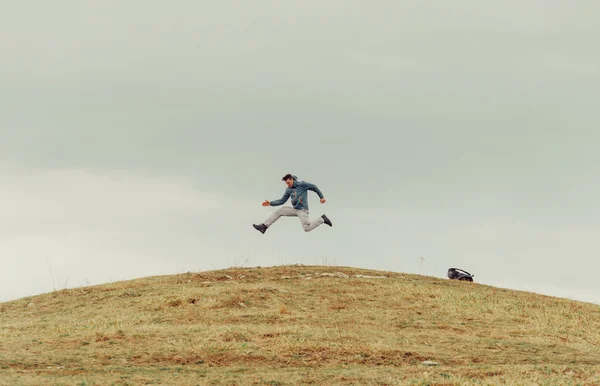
column 297, row 325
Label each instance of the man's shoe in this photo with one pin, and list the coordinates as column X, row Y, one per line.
column 262, row 228
column 327, row 221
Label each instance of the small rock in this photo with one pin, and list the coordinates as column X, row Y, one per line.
column 242, row 304
column 336, row 274
column 370, row 277
column 286, row 277
column 205, row 282
column 430, row 363
column 282, row 290
column 307, row 278
column 243, row 277
column 30, row 305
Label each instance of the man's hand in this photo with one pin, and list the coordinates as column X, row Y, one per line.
column 323, row 201
column 266, row 203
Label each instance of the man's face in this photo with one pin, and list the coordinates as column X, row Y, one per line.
column 289, row 182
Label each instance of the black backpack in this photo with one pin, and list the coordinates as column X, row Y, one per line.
column 459, row 274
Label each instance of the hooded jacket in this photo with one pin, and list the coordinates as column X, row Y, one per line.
column 299, row 194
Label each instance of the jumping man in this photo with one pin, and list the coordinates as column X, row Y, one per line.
column 298, row 191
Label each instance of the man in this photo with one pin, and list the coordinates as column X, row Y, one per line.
column 298, row 191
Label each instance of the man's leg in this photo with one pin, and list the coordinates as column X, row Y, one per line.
column 283, row 211
column 308, row 225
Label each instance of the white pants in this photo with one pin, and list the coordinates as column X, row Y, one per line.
column 302, row 214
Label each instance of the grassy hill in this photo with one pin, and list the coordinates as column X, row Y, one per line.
column 297, row 325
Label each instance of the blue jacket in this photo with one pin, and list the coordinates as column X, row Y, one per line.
column 298, row 192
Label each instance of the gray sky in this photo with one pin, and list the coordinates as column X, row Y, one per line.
column 139, row 138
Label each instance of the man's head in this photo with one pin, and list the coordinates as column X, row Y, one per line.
column 289, row 180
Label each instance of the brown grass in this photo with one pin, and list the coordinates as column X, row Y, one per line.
column 292, row 324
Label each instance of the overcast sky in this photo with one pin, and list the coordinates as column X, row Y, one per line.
column 140, row 138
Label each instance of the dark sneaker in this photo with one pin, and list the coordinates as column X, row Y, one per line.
column 262, row 228
column 327, row 221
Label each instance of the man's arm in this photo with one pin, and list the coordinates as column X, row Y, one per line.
column 314, row 188
column 281, row 201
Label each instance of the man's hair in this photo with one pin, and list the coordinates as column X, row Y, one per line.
column 287, row 177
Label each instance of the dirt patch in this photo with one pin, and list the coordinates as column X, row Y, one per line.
column 235, row 301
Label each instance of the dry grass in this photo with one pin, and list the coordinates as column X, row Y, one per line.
column 296, row 324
